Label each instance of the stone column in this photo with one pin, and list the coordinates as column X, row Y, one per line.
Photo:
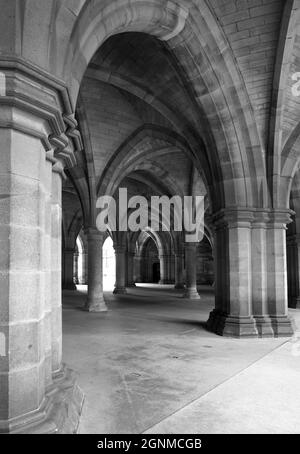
column 295, row 301
column 130, row 268
column 233, row 315
column 68, row 282
column 137, row 267
column 251, row 277
column 33, row 399
column 120, row 253
column 277, row 300
column 259, row 274
column 76, row 259
column 191, row 271
column 163, row 269
column 84, row 269
column 172, row 269
column 95, row 301
column 293, row 269
column 46, row 263
column 56, row 239
column 24, row 273
column 169, row 260
column 167, row 268
column 179, row 281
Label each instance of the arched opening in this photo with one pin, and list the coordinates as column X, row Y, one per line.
column 109, row 265
column 79, row 263
column 205, row 263
column 156, row 272
column 150, row 264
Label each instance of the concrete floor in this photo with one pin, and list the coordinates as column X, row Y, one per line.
column 149, row 366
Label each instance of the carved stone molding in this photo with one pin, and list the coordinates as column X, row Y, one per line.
column 59, row 413
column 251, row 217
column 35, row 103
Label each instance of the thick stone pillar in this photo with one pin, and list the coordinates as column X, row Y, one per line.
column 25, row 364
column 293, row 269
column 233, row 315
column 120, row 253
column 84, row 269
column 179, row 280
column 277, row 273
column 163, row 269
column 76, row 259
column 68, row 281
column 34, row 398
column 170, row 268
column 251, row 277
column 138, row 268
column 95, row 301
column 191, row 271
column 130, row 268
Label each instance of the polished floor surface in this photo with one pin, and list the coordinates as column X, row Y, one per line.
column 148, row 365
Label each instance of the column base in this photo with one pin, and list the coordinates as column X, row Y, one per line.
column 95, row 306
column 191, row 294
column 264, row 326
column 120, row 291
column 69, row 286
column 59, row 413
column 131, row 285
column 230, row 326
column 283, row 326
column 163, row 282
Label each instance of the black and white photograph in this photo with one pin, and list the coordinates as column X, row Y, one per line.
column 150, row 222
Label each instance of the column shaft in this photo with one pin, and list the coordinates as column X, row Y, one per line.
column 191, row 291
column 95, row 301
column 293, row 269
column 120, row 287
column 179, row 281
column 68, row 282
column 233, row 315
column 56, row 233
column 130, row 269
column 163, row 269
column 25, row 344
column 277, row 300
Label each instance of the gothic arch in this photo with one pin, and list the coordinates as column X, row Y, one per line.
column 199, row 45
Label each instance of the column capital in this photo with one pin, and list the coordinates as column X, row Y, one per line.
column 130, row 253
column 179, row 254
column 252, row 218
column 261, row 217
column 279, row 219
column 190, row 244
column 93, row 234
column 120, row 249
column 69, row 250
column 35, row 103
column 131, row 249
column 164, row 256
column 233, row 217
